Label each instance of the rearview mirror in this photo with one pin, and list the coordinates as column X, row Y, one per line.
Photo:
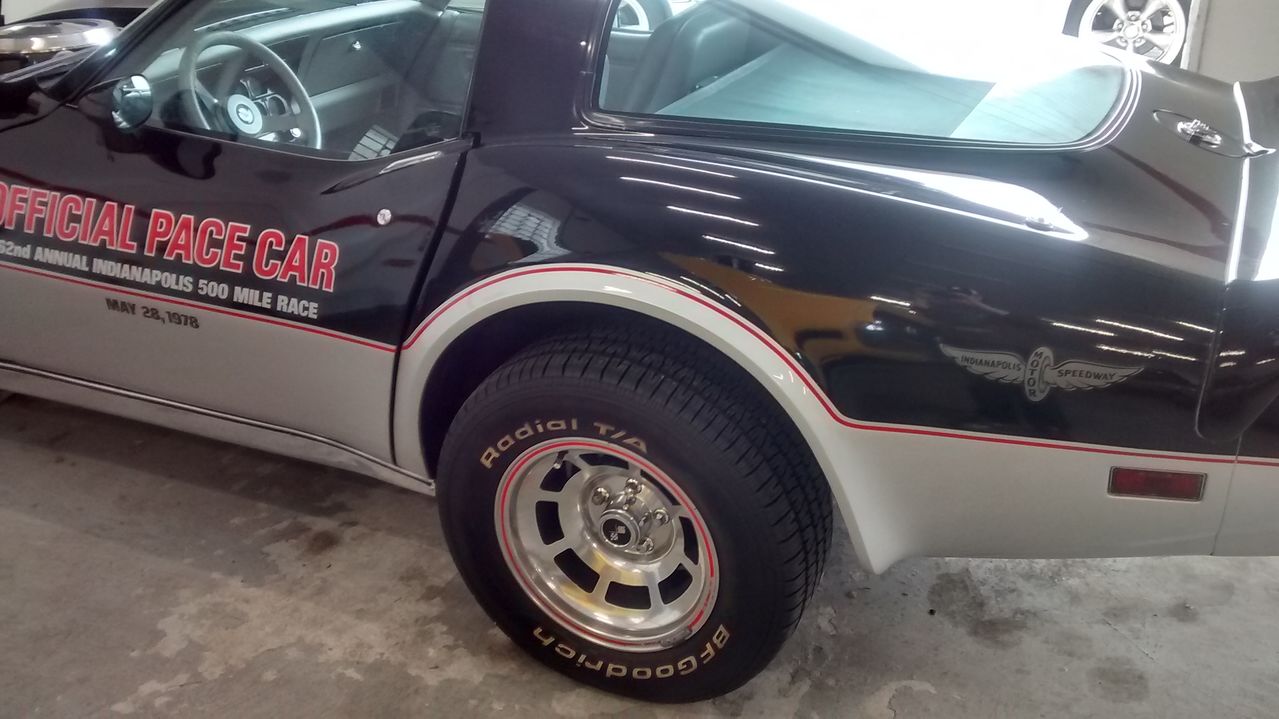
column 131, row 102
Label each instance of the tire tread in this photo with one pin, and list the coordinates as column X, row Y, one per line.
column 730, row 412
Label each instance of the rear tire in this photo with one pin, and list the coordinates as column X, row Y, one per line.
column 542, row 451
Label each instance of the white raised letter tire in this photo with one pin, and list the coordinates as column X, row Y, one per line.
column 634, row 512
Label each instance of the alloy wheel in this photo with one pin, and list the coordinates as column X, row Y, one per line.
column 1153, row 29
column 607, row 544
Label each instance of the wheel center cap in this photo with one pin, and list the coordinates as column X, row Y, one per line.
column 244, row 115
column 1132, row 31
column 619, row 530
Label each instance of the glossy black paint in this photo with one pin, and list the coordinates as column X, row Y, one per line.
column 861, row 256
column 1159, row 215
column 1244, row 380
column 263, row 188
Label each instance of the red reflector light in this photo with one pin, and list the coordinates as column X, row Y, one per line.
column 1156, row 484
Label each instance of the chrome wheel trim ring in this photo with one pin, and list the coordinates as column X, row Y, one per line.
column 667, row 589
column 1157, row 30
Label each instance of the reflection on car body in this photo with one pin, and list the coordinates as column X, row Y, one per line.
column 645, row 307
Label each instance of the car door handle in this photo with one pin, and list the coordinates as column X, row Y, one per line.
column 1041, row 224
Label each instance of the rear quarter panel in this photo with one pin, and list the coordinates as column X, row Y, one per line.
column 859, row 274
column 835, row 273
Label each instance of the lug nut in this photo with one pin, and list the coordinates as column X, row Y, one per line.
column 632, row 486
column 600, row 496
column 646, row 545
column 661, row 517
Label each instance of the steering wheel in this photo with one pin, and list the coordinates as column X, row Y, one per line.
column 221, row 109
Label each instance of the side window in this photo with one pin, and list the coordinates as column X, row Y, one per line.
column 342, row 80
column 854, row 66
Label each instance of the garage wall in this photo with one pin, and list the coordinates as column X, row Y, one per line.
column 18, row 9
column 1239, row 40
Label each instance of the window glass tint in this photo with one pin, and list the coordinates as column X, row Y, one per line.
column 934, row 68
column 344, row 80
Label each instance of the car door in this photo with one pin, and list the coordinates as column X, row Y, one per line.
column 189, row 229
column 1243, row 376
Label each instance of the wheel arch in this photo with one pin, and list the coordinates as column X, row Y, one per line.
column 461, row 343
column 484, row 347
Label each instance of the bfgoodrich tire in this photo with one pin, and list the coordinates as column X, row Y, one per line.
column 633, row 514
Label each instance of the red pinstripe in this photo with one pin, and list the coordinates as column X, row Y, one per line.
column 764, row 339
column 811, row 385
column 198, row 306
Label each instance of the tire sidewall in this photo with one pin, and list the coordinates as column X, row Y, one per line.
column 736, row 640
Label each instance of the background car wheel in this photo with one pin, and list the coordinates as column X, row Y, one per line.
column 634, row 514
column 1154, row 29
column 642, row 15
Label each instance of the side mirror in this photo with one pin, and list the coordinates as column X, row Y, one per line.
column 131, row 103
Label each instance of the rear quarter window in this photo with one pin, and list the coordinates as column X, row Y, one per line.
column 946, row 70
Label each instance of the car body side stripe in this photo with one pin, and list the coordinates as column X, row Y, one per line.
column 763, row 338
column 198, row 306
column 812, row 386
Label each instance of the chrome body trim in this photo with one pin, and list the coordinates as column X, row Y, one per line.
column 208, row 423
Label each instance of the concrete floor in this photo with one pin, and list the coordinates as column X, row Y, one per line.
column 149, row 573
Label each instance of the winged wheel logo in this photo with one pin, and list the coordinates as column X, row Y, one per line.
column 1040, row 374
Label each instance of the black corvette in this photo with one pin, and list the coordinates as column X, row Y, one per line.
column 647, row 305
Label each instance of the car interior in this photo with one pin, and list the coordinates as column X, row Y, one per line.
column 380, row 76
column 360, row 80
column 767, row 62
